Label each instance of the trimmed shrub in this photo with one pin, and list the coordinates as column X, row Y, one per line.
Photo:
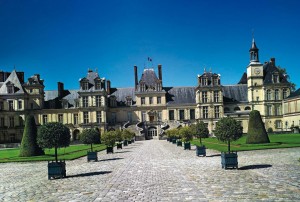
column 186, row 134
column 29, row 146
column 228, row 130
column 55, row 135
column 256, row 129
column 89, row 136
column 109, row 138
column 200, row 130
column 119, row 137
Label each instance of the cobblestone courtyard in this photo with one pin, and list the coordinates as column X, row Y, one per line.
column 158, row 171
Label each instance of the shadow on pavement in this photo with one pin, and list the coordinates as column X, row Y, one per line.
column 112, row 159
column 89, row 174
column 250, row 167
column 122, row 151
column 214, row 155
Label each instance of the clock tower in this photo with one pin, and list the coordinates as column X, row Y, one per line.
column 255, row 76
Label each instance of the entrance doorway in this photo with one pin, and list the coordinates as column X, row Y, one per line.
column 152, row 133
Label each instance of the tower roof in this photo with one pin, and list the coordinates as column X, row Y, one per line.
column 253, row 46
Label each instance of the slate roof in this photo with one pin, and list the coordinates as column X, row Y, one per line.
column 235, row 93
column 13, row 78
column 122, row 93
column 243, row 79
column 180, row 95
column 269, row 69
column 70, row 95
column 149, row 77
column 294, row 94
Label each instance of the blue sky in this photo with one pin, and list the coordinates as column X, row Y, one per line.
column 61, row 39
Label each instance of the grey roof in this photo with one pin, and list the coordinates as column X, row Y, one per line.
column 91, row 77
column 236, row 92
column 269, row 69
column 181, row 95
column 13, row 78
column 50, row 95
column 294, row 94
column 253, row 46
column 122, row 93
column 243, row 79
column 149, row 77
column 72, row 96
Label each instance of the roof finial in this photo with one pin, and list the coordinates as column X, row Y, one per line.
column 210, row 69
column 204, row 69
column 252, row 34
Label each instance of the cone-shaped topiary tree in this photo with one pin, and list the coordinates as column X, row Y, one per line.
column 256, row 129
column 55, row 135
column 29, row 146
column 89, row 136
column 228, row 130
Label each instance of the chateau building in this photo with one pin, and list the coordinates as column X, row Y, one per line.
column 149, row 108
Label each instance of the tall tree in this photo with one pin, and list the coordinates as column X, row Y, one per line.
column 29, row 146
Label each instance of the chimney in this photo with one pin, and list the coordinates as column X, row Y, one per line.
column 272, row 61
column 108, row 87
column 2, row 76
column 135, row 77
column 60, row 88
column 159, row 73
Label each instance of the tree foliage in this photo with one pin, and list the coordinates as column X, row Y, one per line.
column 89, row 136
column 186, row 134
column 127, row 135
column 283, row 71
column 228, row 129
column 256, row 129
column 119, row 136
column 200, row 130
column 173, row 133
column 29, row 146
column 55, row 135
column 109, row 138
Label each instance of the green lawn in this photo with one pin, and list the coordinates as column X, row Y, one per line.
column 277, row 141
column 68, row 153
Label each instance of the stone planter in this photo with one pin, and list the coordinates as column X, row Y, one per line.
column 109, row 149
column 229, row 160
column 119, row 145
column 179, row 143
column 92, row 156
column 187, row 146
column 129, row 141
column 168, row 139
column 174, row 141
column 200, row 150
column 56, row 169
column 125, row 143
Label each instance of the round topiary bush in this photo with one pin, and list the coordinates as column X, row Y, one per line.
column 200, row 130
column 186, row 134
column 29, row 146
column 55, row 135
column 256, row 129
column 109, row 138
column 89, row 136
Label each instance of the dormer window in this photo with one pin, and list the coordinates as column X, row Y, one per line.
column 204, row 81
column 98, row 85
column 143, row 87
column 128, row 101
column 158, row 86
column 85, row 85
column 10, row 89
column 215, row 81
column 275, row 78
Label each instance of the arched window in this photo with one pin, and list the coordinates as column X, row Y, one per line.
column 247, row 108
column 237, row 109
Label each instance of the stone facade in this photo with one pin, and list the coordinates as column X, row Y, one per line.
column 149, row 108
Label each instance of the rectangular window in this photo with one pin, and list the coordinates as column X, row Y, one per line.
column 85, row 101
column 171, row 115
column 75, row 119
column 60, row 118
column 1, row 105
column 19, row 104
column 278, row 124
column 215, row 81
column 98, row 101
column 98, row 85
column 159, row 116
column 10, row 89
column 99, row 117
column 85, row 117
column 76, row 104
column 276, row 94
column 181, row 114
column 113, row 118
column 45, row 118
column 257, row 98
column 217, row 111
column 158, row 100
column 143, row 100
column 192, row 114
column 11, row 105
column 205, row 112
column 144, row 116
column 21, row 122
column 85, row 86
column 277, row 110
column 216, row 96
column 2, row 122
column 204, row 97
column 150, row 100
column 284, row 93
column 11, row 121
column 269, row 110
column 129, row 116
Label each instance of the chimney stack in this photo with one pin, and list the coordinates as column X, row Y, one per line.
column 135, row 77
column 60, row 88
column 108, row 87
column 273, row 61
column 159, row 73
